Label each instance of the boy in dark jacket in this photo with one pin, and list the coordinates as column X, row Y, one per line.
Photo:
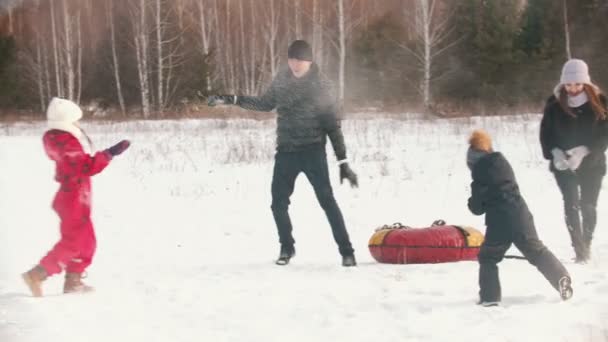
column 495, row 192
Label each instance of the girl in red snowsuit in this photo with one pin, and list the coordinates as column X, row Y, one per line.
column 64, row 144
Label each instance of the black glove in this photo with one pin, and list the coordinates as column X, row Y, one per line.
column 215, row 100
column 119, row 148
column 346, row 172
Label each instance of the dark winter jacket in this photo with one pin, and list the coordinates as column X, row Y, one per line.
column 306, row 108
column 495, row 192
column 562, row 130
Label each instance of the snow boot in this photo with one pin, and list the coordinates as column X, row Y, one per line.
column 287, row 252
column 487, row 304
column 73, row 284
column 349, row 260
column 565, row 288
column 34, row 278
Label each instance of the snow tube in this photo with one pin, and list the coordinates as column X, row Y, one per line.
column 398, row 244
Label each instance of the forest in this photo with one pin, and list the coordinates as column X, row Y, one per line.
column 158, row 58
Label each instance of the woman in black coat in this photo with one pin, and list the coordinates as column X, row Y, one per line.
column 495, row 193
column 574, row 137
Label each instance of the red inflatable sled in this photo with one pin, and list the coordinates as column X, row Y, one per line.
column 398, row 244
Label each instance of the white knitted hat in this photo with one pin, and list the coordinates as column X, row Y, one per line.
column 63, row 114
column 575, row 71
column 62, row 110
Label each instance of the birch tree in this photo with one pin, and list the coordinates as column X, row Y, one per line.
column 140, row 30
column 115, row 62
column 342, row 50
column 317, row 38
column 270, row 35
column 79, row 57
column 254, row 52
column 10, row 20
column 297, row 19
column 566, row 29
column 58, row 84
column 168, row 54
column 69, row 63
column 244, row 63
column 159, row 56
column 431, row 32
column 205, row 27
column 40, row 73
column 346, row 24
column 223, row 74
column 228, row 48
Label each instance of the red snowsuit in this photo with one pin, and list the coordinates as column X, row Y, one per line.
column 74, row 168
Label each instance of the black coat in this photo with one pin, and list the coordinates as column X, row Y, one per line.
column 306, row 108
column 562, row 130
column 495, row 193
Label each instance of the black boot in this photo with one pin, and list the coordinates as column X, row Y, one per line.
column 589, row 221
column 576, row 237
column 565, row 288
column 287, row 252
column 348, row 260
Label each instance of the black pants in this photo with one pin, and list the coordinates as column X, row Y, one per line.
column 313, row 163
column 580, row 191
column 497, row 241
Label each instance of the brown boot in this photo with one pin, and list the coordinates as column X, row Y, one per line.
column 34, row 278
column 73, row 283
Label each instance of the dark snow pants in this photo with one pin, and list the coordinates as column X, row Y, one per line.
column 313, row 163
column 498, row 240
column 580, row 191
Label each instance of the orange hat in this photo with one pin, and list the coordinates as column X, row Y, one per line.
column 480, row 140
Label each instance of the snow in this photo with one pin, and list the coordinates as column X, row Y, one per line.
column 186, row 240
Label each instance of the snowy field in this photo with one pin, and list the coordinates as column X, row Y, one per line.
column 186, row 240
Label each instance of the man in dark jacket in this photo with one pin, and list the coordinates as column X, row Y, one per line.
column 495, row 193
column 307, row 114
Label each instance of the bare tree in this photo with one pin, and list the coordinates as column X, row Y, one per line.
column 223, row 74
column 59, row 88
column 205, row 26
column 271, row 32
column 566, row 29
column 298, row 21
column 115, row 62
column 68, row 51
column 317, row 24
column 140, row 30
column 45, row 66
column 346, row 24
column 243, row 49
column 10, row 20
column 159, row 56
column 39, row 72
column 431, row 30
column 228, row 48
column 342, row 50
column 168, row 45
column 79, row 60
column 253, row 51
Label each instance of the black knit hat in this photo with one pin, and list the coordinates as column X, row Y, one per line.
column 301, row 50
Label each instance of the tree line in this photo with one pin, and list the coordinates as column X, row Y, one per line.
column 149, row 57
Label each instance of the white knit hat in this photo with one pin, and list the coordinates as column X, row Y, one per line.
column 575, row 71
column 62, row 110
column 63, row 114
